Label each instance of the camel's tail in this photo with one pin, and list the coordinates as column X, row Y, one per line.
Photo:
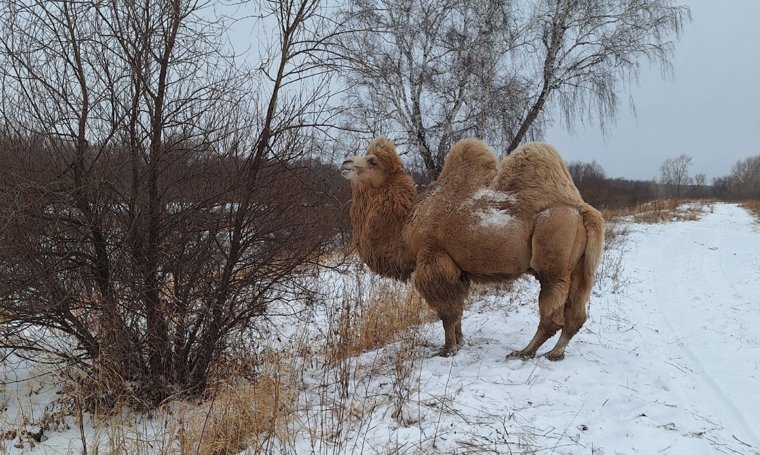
column 594, row 224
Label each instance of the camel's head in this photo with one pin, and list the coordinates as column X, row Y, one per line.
column 374, row 168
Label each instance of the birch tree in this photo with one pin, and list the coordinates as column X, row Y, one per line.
column 430, row 72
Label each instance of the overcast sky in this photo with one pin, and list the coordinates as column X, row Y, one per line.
column 709, row 109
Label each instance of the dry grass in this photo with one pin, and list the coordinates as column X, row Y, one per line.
column 754, row 207
column 391, row 311
column 614, row 232
column 241, row 415
column 610, row 276
column 662, row 211
column 237, row 417
column 339, row 255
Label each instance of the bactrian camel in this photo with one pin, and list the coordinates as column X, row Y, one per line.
column 483, row 220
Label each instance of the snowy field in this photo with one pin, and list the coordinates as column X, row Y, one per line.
column 668, row 363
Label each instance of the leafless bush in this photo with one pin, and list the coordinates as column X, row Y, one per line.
column 153, row 200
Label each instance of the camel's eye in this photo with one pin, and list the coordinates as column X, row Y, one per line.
column 372, row 161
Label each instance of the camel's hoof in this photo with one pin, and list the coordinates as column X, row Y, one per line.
column 554, row 357
column 444, row 352
column 521, row 355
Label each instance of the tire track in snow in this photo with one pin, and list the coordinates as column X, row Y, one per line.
column 682, row 252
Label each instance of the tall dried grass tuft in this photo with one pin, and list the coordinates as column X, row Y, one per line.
column 610, row 275
column 392, row 309
column 753, row 206
column 238, row 417
column 241, row 414
column 661, row 211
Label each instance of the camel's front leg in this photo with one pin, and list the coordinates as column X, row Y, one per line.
column 452, row 329
column 440, row 282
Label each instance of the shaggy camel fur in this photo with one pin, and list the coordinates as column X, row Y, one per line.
column 481, row 221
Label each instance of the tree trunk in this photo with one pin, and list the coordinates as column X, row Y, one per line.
column 535, row 110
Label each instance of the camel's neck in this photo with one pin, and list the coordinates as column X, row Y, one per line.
column 378, row 216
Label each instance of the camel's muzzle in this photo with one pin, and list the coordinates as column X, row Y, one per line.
column 347, row 168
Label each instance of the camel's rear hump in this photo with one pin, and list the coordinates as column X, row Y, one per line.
column 538, row 175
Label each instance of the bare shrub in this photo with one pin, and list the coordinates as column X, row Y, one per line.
column 154, row 201
column 406, row 360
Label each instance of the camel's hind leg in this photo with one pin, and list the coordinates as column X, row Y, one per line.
column 551, row 301
column 575, row 312
column 555, row 247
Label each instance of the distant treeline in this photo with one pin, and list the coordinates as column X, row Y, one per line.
column 617, row 193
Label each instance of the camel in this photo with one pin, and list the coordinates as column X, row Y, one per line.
column 482, row 221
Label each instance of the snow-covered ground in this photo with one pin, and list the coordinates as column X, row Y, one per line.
column 668, row 362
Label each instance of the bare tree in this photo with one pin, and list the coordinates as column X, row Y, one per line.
column 153, row 204
column 590, row 179
column 588, row 47
column 745, row 177
column 700, row 185
column 586, row 174
column 433, row 72
column 674, row 174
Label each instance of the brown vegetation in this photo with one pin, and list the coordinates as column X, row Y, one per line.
column 237, row 417
column 390, row 313
column 662, row 210
column 753, row 206
column 481, row 221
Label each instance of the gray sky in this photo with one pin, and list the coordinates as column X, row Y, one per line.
column 709, row 109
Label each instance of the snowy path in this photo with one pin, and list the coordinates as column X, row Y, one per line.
column 667, row 365
column 703, row 305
